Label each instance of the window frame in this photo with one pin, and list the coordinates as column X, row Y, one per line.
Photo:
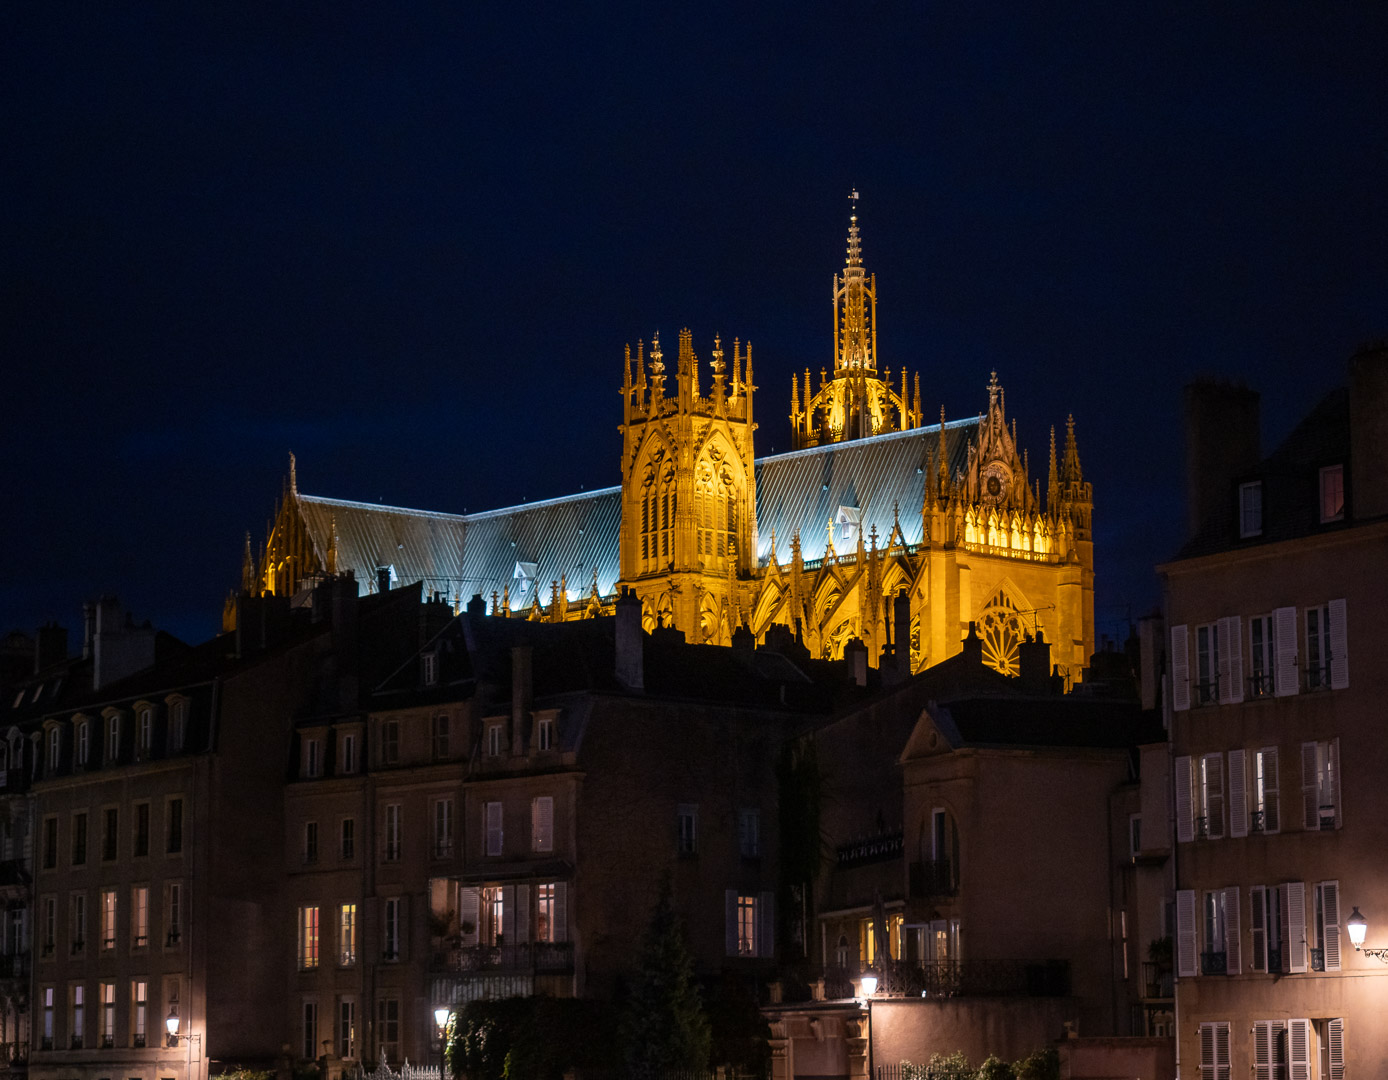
column 1331, row 482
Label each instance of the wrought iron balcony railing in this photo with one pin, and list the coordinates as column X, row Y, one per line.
column 540, row 957
column 1214, row 963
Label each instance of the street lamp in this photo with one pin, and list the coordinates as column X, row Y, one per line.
column 441, row 1017
column 171, row 1026
column 1358, row 926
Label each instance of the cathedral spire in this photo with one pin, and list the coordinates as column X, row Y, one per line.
column 1070, row 472
column 248, row 568
column 942, row 462
column 1053, row 480
column 332, row 544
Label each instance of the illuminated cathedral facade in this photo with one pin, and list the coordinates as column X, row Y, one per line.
column 870, row 504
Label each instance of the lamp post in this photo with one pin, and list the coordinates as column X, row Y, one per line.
column 868, row 986
column 1358, row 926
column 171, row 1026
column 441, row 1018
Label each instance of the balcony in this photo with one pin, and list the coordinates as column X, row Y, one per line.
column 1214, row 963
column 958, row 978
column 933, row 877
column 1158, row 981
column 1317, row 959
column 540, row 958
column 1260, row 685
column 888, row 845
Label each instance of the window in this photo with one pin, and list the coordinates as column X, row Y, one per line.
column 78, row 1023
column 79, row 839
column 1207, row 664
column 347, row 1029
column 391, row 936
column 112, row 739
column 83, row 740
column 1330, row 1038
column 311, row 1030
column 50, row 925
column 1250, row 509
column 1318, row 651
column 1332, row 493
column 1134, row 835
column 310, row 842
column 493, row 740
column 313, row 757
column 110, row 840
column 348, row 843
column 495, row 837
column 545, row 734
column 139, row 1000
column 1214, row 1052
column 55, row 742
column 388, row 1028
column 178, row 726
column 1325, row 947
column 79, row 923
column 1265, row 794
column 441, row 736
column 50, row 843
column 108, row 920
column 544, row 912
column 749, row 925
column 348, row 762
column 1320, row 785
column 687, row 825
column 390, row 742
column 107, row 990
column 173, row 913
column 47, row 993
column 144, row 732
column 1213, row 956
column 443, row 828
column 493, row 915
column 1270, row 1050
column 347, row 934
column 174, row 836
column 1266, row 910
column 141, row 829
column 308, row 938
column 139, row 916
column 1211, row 821
column 749, row 833
column 1261, row 653
column 746, row 925
column 392, row 837
column 542, row 823
column 172, row 992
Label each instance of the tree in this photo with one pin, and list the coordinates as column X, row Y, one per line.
column 664, row 1027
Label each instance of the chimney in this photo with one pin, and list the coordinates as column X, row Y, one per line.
column 1034, row 663
column 119, row 648
column 88, row 629
column 973, row 645
column 383, row 579
column 52, row 647
column 1222, row 444
column 901, row 618
column 1151, row 639
column 855, row 653
column 1368, row 431
column 631, row 660
column 522, row 693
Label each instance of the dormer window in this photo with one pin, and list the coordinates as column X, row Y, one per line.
column 83, row 732
column 524, row 577
column 494, row 740
column 144, row 732
column 1250, row 509
column 848, row 520
column 431, row 669
column 113, row 738
column 349, row 754
column 545, row 734
column 178, row 725
column 1332, row 493
column 54, row 746
column 313, row 757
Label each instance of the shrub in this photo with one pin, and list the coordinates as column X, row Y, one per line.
column 1039, row 1065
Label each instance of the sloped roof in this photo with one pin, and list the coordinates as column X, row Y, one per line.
column 571, row 537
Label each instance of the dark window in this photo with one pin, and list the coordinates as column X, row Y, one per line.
column 110, row 840
column 349, row 838
column 142, row 829
column 175, row 838
column 390, row 742
column 79, row 839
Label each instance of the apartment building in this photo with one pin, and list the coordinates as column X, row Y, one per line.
column 1277, row 753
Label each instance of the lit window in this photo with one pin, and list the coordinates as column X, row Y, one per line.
column 79, row 1015
column 173, row 913
column 108, row 1014
column 1265, row 793
column 308, row 938
column 108, row 920
column 746, row 925
column 48, row 1017
column 493, row 915
column 687, row 822
column 139, row 995
column 1320, row 784
column 545, row 912
column 347, row 934
column 1251, row 509
column 139, row 916
column 1332, row 493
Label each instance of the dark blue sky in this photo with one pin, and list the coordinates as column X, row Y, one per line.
column 409, row 241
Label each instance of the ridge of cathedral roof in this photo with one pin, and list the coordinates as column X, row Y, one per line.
column 351, row 504
column 886, row 436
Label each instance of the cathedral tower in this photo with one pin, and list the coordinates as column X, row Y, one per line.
column 689, row 498
column 858, row 400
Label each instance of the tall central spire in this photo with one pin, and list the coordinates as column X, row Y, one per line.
column 855, row 306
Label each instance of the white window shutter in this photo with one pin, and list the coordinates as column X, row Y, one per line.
column 471, row 909
column 1334, row 751
column 1180, row 670
column 1310, row 798
column 1299, row 1049
column 1230, row 660
column 1185, row 801
column 1222, row 1063
column 1294, row 927
column 508, row 914
column 561, row 911
column 1257, row 904
column 1335, row 1037
column 1187, row 958
column 730, row 922
column 1233, row 942
column 1272, row 795
column 1339, row 647
column 1238, row 794
column 1330, row 911
column 1262, row 1050
column 766, row 924
column 522, row 914
column 542, row 822
column 1207, row 1051
column 1285, row 679
column 1212, row 782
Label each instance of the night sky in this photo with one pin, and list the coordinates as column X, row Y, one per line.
column 409, row 241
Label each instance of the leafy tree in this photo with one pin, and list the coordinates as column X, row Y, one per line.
column 1039, row 1065
column 740, row 1031
column 664, row 1027
column 994, row 1068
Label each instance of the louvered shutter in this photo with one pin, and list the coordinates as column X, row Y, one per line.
column 1330, row 916
column 1187, row 958
column 730, row 922
column 1334, row 751
column 508, row 914
column 1233, row 942
column 522, row 914
column 1335, row 1038
column 561, row 911
column 1185, row 802
column 471, row 905
column 1272, row 791
column 1339, row 647
column 1180, row 670
column 1310, row 799
column 1238, row 794
column 1212, row 792
column 766, row 924
column 1299, row 1049
column 1294, row 926
column 1285, row 681
column 1207, row 1052
column 1262, row 1050
column 542, row 820
column 1257, row 903
column 495, row 834
column 1230, row 660
column 1222, row 1066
